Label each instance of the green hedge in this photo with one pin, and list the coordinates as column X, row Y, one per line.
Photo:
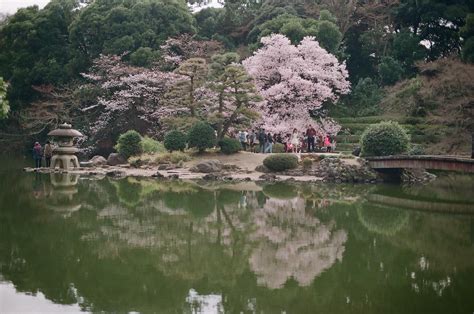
column 129, row 144
column 383, row 139
column 175, row 140
column 229, row 145
column 281, row 162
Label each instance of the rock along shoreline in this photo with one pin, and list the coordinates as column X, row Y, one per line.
column 330, row 170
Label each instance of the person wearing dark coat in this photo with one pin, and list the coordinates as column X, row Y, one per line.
column 37, row 154
column 261, row 140
column 48, row 153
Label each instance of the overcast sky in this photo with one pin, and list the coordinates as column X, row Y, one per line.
column 10, row 6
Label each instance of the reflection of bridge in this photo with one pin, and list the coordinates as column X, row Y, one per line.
column 441, row 207
column 422, row 162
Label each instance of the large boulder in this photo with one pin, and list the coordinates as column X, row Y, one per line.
column 116, row 159
column 98, row 161
column 208, row 166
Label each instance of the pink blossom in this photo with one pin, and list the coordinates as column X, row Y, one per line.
column 294, row 80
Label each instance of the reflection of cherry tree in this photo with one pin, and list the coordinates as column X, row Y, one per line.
column 293, row 244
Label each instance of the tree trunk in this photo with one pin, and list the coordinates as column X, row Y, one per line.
column 220, row 133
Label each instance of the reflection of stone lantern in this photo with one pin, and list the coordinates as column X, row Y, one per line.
column 63, row 155
column 62, row 198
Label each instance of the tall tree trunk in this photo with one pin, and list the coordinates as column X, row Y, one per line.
column 220, row 110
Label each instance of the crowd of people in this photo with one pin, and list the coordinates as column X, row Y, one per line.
column 259, row 141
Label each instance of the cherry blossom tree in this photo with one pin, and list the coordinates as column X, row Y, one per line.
column 178, row 49
column 294, row 80
column 131, row 98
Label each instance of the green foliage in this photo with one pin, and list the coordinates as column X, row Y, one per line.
column 120, row 26
column 406, row 48
column 383, row 139
column 201, row 136
column 173, row 157
column 208, row 22
column 220, row 61
column 365, row 98
column 329, row 36
column 390, row 71
column 295, row 28
column 416, row 149
column 34, row 48
column 175, row 140
column 278, row 148
column 236, row 94
column 467, row 32
column 4, row 106
column 229, row 145
column 184, row 92
column 129, row 144
column 435, row 21
column 151, row 146
column 281, row 162
column 143, row 57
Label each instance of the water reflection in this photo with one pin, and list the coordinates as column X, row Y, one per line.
column 144, row 245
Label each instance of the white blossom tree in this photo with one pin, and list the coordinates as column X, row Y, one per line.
column 131, row 98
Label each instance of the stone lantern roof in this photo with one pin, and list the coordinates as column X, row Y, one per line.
column 65, row 130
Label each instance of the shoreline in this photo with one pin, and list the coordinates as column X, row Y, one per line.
column 243, row 166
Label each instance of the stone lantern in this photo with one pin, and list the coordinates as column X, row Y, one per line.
column 63, row 155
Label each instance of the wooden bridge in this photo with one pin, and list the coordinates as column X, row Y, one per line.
column 448, row 163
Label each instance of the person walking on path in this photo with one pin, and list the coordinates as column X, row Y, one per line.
column 48, row 153
column 294, row 141
column 261, row 140
column 310, row 133
column 37, row 154
column 269, row 144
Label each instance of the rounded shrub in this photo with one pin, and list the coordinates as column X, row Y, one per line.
column 175, row 140
column 229, row 145
column 129, row 144
column 201, row 136
column 151, row 146
column 281, row 162
column 278, row 148
column 383, row 139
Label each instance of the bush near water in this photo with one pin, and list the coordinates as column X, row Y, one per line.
column 281, row 162
column 175, row 140
column 129, row 144
column 201, row 136
column 229, row 145
column 384, row 139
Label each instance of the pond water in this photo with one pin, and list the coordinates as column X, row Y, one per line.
column 70, row 244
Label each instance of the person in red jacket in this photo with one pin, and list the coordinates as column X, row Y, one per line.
column 327, row 143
